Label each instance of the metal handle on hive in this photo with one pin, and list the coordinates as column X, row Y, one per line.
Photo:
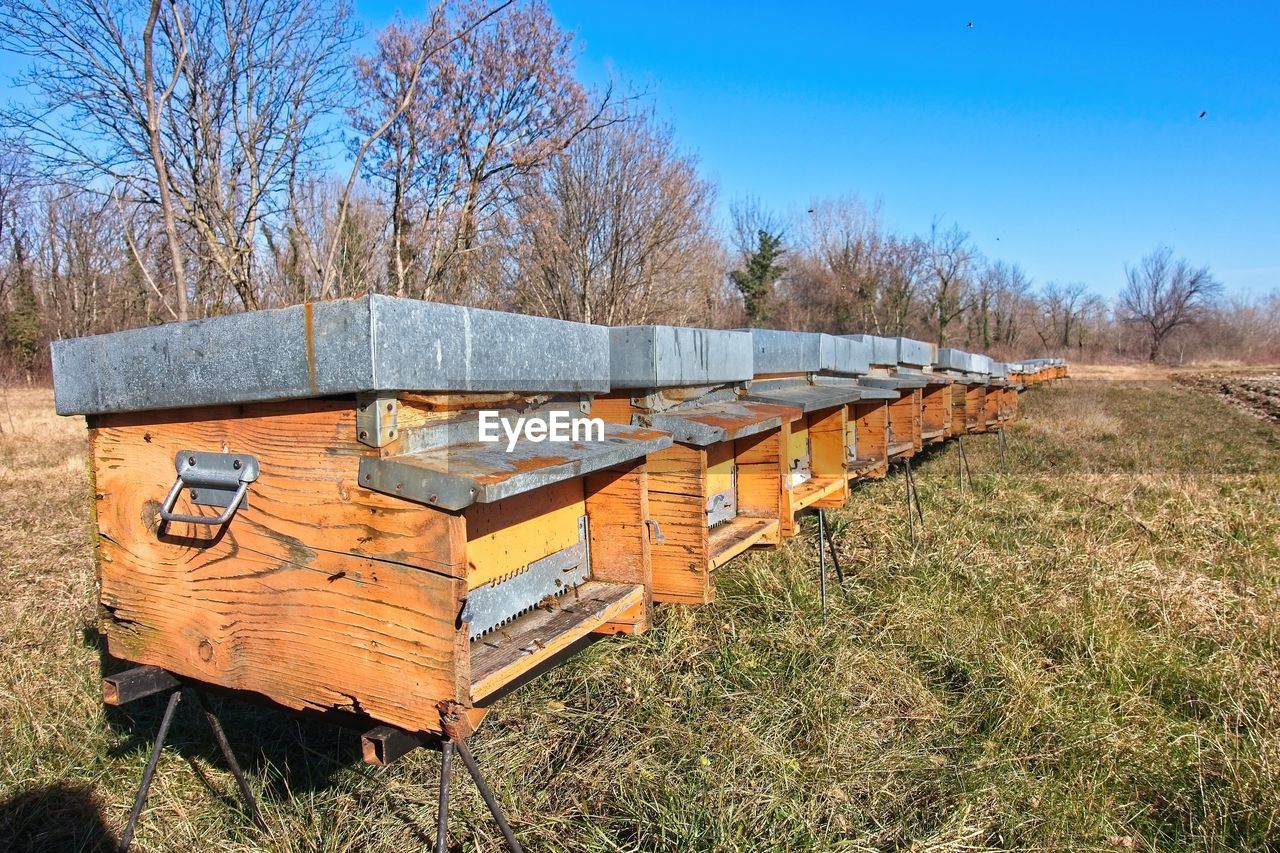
column 215, row 479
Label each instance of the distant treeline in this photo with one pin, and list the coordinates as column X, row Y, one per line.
column 186, row 158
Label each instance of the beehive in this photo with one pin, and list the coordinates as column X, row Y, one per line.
column 718, row 490
column 846, row 363
column 905, row 435
column 785, row 364
column 1005, row 391
column 383, row 561
column 971, row 375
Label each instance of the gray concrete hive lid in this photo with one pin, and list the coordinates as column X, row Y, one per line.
column 914, row 353
column 774, row 352
column 374, row 343
column 671, row 356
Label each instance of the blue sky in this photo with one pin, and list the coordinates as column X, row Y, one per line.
column 1064, row 137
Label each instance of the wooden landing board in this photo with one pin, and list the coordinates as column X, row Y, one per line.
column 815, row 489
column 901, row 448
column 502, row 656
column 735, row 536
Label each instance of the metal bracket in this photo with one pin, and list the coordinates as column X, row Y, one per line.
column 656, row 531
column 801, row 470
column 214, row 479
column 723, row 506
column 497, row 603
column 376, row 419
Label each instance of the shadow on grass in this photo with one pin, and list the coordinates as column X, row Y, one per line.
column 54, row 818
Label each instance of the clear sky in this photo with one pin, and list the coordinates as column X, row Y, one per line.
column 1065, row 137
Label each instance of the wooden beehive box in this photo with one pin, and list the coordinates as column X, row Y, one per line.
column 718, row 490
column 785, row 365
column 905, row 435
column 1004, row 391
column 969, row 375
column 384, row 562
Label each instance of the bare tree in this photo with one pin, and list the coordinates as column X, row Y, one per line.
column 199, row 108
column 615, row 230
column 1162, row 294
column 950, row 261
column 482, row 109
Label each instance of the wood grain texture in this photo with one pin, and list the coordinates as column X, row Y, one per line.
column 617, row 501
column 761, row 477
column 827, row 439
column 318, row 595
column 959, row 403
column 677, row 501
column 872, row 424
column 975, row 404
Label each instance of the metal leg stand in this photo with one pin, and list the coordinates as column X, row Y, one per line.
column 141, row 799
column 1002, row 443
column 831, row 543
column 965, row 473
column 913, row 500
column 490, row 801
column 822, row 561
column 215, row 725
column 442, row 816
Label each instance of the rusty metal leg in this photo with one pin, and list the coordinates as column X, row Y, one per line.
column 1001, row 440
column 906, row 485
column 915, row 494
column 835, row 559
column 913, row 499
column 490, row 801
column 442, row 815
column 215, row 725
column 960, row 462
column 145, row 788
column 822, row 561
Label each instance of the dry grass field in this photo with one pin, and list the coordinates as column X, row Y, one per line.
column 1082, row 651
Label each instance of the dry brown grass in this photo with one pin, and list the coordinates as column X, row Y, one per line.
column 1081, row 652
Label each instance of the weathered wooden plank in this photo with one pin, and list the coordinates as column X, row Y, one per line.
column 503, row 656
column 318, row 594
column 827, row 439
column 617, row 501
column 732, row 538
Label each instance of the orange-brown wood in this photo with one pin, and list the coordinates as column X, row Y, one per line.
column 501, row 658
column 959, row 396
column 871, row 421
column 904, row 424
column 677, row 501
column 618, row 510
column 991, row 407
column 313, row 595
column 975, row 408
column 935, row 413
column 827, row 437
column 761, row 477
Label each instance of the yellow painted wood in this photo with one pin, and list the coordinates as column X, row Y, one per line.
column 720, row 467
column 505, row 537
column 797, row 445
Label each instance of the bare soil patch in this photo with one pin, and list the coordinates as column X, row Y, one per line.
column 1258, row 394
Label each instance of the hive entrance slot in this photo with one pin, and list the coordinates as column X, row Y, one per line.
column 500, row 657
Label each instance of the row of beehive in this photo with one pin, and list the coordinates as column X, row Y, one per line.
column 298, row 503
